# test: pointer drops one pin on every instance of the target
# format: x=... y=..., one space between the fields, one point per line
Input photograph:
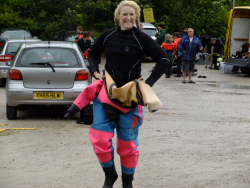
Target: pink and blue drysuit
x=107 y=117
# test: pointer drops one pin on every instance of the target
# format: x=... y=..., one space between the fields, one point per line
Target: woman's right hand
x=98 y=76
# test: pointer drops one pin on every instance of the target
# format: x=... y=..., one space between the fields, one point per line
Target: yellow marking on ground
x=1 y=130
x=2 y=124
x=22 y=128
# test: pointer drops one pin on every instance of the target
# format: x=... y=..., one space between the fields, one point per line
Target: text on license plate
x=48 y=95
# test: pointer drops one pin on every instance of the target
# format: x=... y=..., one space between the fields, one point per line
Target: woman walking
x=124 y=46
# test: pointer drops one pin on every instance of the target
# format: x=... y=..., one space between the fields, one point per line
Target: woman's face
x=127 y=17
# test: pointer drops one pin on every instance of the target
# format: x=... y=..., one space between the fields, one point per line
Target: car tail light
x=82 y=75
x=15 y=74
x=6 y=57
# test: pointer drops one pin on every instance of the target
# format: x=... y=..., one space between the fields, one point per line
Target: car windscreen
x=16 y=34
x=149 y=31
x=57 y=57
x=12 y=48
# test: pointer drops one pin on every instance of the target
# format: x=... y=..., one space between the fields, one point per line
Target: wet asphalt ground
x=200 y=138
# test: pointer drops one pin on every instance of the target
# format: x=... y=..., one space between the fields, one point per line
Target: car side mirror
x=9 y=63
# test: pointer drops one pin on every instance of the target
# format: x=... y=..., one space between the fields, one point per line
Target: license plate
x=48 y=95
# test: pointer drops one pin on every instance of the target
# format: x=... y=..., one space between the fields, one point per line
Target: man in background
x=218 y=49
x=160 y=36
x=79 y=30
x=178 y=54
x=184 y=31
x=84 y=43
x=205 y=39
x=189 y=46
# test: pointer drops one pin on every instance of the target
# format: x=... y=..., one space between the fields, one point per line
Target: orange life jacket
x=168 y=46
x=86 y=53
x=79 y=36
x=177 y=41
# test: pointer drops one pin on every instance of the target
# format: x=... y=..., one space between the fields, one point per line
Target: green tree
x=47 y=18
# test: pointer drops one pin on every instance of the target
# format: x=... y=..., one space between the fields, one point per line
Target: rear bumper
x=17 y=95
x=3 y=71
x=238 y=62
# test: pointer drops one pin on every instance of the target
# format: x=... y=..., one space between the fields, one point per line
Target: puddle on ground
x=232 y=86
x=217 y=82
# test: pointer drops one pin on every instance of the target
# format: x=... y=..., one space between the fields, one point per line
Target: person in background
x=189 y=46
x=84 y=43
x=169 y=47
x=184 y=31
x=79 y=30
x=124 y=47
x=218 y=49
x=205 y=39
x=160 y=36
x=178 y=54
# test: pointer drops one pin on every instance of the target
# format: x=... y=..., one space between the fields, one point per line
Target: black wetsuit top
x=84 y=45
x=124 y=51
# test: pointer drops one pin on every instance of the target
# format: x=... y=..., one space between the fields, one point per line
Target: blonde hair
x=168 y=37
x=130 y=4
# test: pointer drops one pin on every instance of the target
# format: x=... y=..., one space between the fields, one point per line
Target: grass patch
x=8 y=132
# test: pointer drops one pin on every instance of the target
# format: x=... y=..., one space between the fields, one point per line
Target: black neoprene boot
x=127 y=180
x=110 y=176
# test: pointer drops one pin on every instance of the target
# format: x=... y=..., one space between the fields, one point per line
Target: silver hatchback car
x=45 y=73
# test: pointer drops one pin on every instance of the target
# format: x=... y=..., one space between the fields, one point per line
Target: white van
x=237 y=44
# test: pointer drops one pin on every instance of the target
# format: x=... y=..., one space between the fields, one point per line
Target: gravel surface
x=200 y=138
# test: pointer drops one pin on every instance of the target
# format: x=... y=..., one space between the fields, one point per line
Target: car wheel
x=86 y=114
x=246 y=70
x=11 y=112
x=2 y=82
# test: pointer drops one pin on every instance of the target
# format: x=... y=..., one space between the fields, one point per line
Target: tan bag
x=136 y=91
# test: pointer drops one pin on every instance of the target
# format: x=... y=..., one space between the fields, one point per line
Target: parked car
x=45 y=73
x=149 y=29
x=8 y=49
x=16 y=34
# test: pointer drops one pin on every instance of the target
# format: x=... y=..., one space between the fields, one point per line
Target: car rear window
x=12 y=47
x=57 y=57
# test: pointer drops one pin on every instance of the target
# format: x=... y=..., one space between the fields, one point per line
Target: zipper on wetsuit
x=131 y=69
